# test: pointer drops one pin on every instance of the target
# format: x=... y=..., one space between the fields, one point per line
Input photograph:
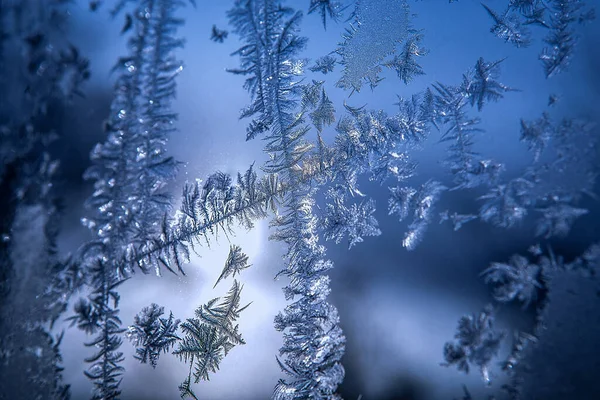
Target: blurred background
x=397 y=308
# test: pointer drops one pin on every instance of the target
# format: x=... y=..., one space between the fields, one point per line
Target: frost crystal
x=326 y=7
x=152 y=334
x=420 y=201
x=508 y=27
x=210 y=336
x=130 y=171
x=516 y=280
x=477 y=343
x=324 y=64
x=356 y=221
x=379 y=26
x=236 y=262
x=405 y=64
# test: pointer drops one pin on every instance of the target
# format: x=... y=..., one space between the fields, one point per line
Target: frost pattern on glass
x=151 y=334
x=558 y=17
x=379 y=26
x=406 y=63
x=354 y=222
x=477 y=343
x=330 y=8
x=130 y=171
x=562 y=172
x=324 y=64
x=236 y=262
x=209 y=337
x=205 y=339
x=420 y=203
x=312 y=347
x=509 y=28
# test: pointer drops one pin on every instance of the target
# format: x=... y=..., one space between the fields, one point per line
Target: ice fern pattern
x=207 y=209
x=418 y=202
x=129 y=171
x=312 y=346
x=205 y=339
x=152 y=334
x=236 y=262
x=326 y=8
x=557 y=17
x=477 y=342
x=210 y=336
x=479 y=86
x=319 y=153
x=562 y=172
x=355 y=222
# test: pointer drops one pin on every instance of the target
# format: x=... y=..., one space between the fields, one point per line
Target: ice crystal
x=324 y=64
x=516 y=280
x=508 y=27
x=152 y=334
x=355 y=222
x=236 y=262
x=405 y=64
x=210 y=336
x=326 y=7
x=477 y=343
x=420 y=203
x=379 y=26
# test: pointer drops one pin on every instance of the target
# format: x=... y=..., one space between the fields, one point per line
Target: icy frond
x=376 y=143
x=324 y=64
x=528 y=283
x=561 y=38
x=276 y=37
x=564 y=169
x=324 y=113
x=105 y=369
x=223 y=315
x=400 y=201
x=517 y=280
x=588 y=263
x=355 y=222
x=523 y=6
x=506 y=205
x=207 y=209
x=405 y=63
x=379 y=26
x=236 y=262
x=312 y=348
x=209 y=337
x=458 y=220
x=202 y=346
x=130 y=171
x=185 y=389
x=87 y=317
x=481 y=83
x=404 y=201
x=218 y=35
x=326 y=7
x=468 y=168
x=557 y=220
x=508 y=27
x=537 y=134
x=151 y=334
x=311 y=94
x=477 y=343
